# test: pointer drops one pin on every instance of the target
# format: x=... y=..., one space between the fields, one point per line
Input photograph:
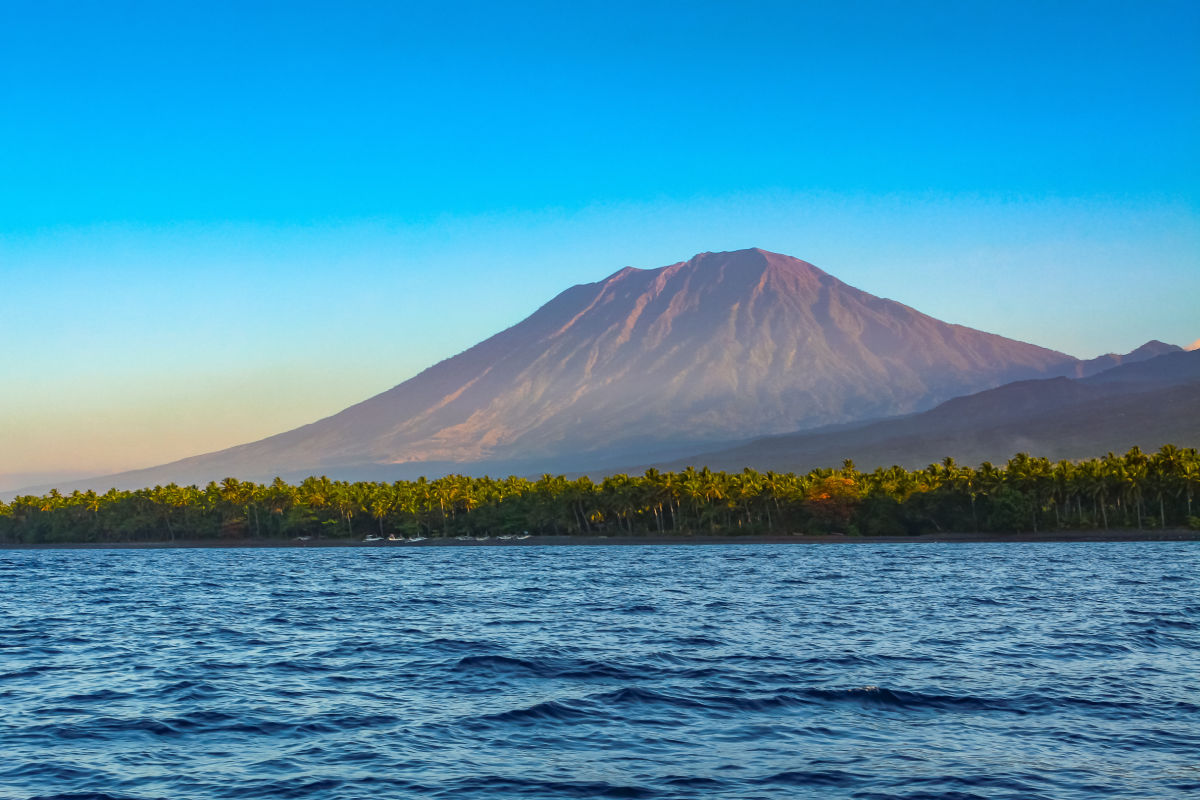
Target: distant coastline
x=1133 y=535
x=1027 y=496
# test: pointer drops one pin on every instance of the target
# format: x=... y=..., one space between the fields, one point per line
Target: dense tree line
x=1135 y=490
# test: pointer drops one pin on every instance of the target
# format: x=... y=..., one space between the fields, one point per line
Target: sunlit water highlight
x=833 y=671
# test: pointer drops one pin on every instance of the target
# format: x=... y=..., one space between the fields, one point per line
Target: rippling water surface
x=759 y=671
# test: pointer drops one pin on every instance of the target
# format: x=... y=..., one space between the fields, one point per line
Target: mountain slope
x=1147 y=403
x=651 y=363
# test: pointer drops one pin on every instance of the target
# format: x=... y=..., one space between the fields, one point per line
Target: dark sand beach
x=1132 y=535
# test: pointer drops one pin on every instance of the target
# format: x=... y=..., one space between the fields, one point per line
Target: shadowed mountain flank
x=651 y=363
x=1147 y=403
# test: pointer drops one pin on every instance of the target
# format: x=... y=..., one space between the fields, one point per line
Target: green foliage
x=1009 y=509
x=1027 y=493
x=882 y=515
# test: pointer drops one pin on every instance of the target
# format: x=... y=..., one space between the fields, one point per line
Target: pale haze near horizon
x=177 y=282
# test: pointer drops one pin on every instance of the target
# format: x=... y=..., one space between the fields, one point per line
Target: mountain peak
x=754 y=258
x=1149 y=350
x=729 y=277
x=1152 y=348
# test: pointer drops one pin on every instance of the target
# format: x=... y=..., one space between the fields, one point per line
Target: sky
x=219 y=221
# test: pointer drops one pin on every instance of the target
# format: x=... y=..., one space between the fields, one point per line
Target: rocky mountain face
x=649 y=363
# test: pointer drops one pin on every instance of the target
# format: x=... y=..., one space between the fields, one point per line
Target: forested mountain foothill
x=1134 y=490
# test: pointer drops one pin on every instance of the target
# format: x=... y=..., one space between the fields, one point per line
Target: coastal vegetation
x=1134 y=490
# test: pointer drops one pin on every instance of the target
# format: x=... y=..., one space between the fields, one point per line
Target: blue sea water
x=761 y=671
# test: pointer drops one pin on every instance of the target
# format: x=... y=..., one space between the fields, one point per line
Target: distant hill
x=647 y=364
x=1151 y=349
x=1146 y=403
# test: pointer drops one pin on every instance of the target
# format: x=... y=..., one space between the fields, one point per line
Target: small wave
x=1167 y=622
x=25 y=672
x=546 y=711
x=495 y=786
x=878 y=697
x=695 y=783
x=496 y=663
x=541 y=668
x=638 y=608
x=101 y=695
x=189 y=690
x=829 y=778
x=1029 y=703
x=105 y=728
x=294 y=787
x=705 y=702
x=697 y=641
x=469 y=645
x=1088 y=647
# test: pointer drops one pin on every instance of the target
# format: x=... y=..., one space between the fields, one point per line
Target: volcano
x=643 y=365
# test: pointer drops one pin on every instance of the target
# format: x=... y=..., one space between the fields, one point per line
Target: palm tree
x=1137 y=470
x=1094 y=478
x=1166 y=476
x=1190 y=475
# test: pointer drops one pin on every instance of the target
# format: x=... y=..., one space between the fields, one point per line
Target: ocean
x=947 y=671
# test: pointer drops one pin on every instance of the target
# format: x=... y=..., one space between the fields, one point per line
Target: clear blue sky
x=219 y=221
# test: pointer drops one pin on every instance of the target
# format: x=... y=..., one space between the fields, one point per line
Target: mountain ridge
x=1146 y=403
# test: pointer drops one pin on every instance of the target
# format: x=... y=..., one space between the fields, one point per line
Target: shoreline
x=1170 y=535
